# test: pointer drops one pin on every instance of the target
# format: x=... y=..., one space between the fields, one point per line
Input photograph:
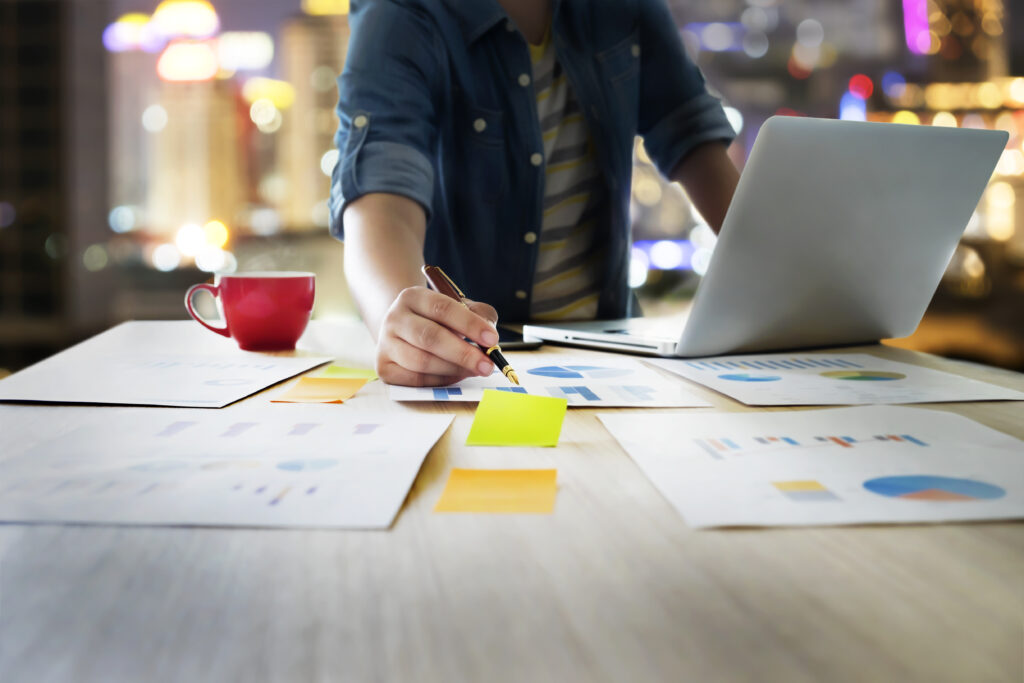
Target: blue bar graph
x=366 y=429
x=583 y=392
x=512 y=390
x=445 y=393
x=913 y=440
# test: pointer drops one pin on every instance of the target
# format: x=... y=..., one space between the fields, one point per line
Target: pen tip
x=512 y=376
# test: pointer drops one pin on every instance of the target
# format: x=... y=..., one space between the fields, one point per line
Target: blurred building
x=197 y=169
x=313 y=51
x=53 y=182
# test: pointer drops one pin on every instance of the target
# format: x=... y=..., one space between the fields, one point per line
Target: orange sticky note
x=499 y=491
x=321 y=390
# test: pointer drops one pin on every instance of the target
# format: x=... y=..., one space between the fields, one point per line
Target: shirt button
x=479 y=125
x=524 y=80
x=635 y=50
x=530 y=237
x=360 y=121
x=520 y=294
x=509 y=26
x=536 y=159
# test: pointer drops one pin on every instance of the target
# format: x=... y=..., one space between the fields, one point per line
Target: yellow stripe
x=564 y=123
x=568 y=308
x=573 y=234
x=546 y=92
x=573 y=199
x=561 y=277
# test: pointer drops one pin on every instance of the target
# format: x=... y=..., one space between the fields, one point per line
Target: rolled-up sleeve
x=387 y=123
x=676 y=111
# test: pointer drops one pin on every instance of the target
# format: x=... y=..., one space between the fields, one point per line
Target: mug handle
x=215 y=291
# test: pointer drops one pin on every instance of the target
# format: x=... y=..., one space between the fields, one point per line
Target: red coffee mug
x=262 y=311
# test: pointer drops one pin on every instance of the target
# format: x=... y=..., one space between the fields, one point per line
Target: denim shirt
x=436 y=104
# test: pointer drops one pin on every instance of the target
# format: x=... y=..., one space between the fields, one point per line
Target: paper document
x=587 y=380
x=268 y=466
x=877 y=464
x=156 y=364
x=831 y=379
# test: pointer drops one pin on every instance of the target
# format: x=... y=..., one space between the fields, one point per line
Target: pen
x=443 y=284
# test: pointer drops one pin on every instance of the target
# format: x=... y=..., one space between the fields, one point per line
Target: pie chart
x=578 y=372
x=933 y=488
x=747 y=377
x=863 y=375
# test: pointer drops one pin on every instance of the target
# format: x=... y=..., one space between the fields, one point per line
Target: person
x=494 y=138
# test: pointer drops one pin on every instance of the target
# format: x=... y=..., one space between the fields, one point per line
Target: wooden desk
x=612 y=587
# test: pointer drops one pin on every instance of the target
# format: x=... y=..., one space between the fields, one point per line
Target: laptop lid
x=838 y=233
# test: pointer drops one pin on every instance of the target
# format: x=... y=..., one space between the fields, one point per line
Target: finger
x=419 y=360
x=485 y=311
x=450 y=313
x=440 y=341
x=392 y=373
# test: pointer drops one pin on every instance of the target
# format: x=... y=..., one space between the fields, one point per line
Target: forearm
x=710 y=179
x=384 y=236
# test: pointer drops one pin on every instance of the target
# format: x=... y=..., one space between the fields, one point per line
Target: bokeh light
x=187 y=60
x=95 y=258
x=810 y=32
x=121 y=219
x=735 y=118
x=638 y=266
x=325 y=7
x=280 y=93
x=132 y=31
x=216 y=234
x=189 y=239
x=852 y=108
x=165 y=257
x=944 y=119
x=245 y=50
x=154 y=118
x=667 y=255
x=906 y=117
x=861 y=86
x=328 y=161
x=186 y=18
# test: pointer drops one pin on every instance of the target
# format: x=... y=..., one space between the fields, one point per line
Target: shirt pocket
x=481 y=158
x=619 y=68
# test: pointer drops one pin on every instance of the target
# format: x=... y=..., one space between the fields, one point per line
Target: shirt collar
x=476 y=17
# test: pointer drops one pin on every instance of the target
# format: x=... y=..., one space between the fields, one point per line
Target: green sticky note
x=506 y=418
x=342 y=372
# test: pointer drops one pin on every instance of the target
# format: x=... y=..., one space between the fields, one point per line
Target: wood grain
x=612 y=587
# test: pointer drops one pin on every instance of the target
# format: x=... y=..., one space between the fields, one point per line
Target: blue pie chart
x=747 y=377
x=933 y=488
x=578 y=372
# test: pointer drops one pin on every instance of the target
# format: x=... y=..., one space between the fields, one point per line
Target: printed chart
x=875 y=464
x=583 y=380
x=838 y=379
x=153 y=363
x=243 y=467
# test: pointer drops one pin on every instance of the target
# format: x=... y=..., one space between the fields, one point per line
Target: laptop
x=838 y=234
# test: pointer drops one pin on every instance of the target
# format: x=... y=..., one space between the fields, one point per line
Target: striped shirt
x=567 y=279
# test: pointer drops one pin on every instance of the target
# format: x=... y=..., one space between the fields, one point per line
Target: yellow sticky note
x=343 y=372
x=321 y=390
x=499 y=491
x=505 y=418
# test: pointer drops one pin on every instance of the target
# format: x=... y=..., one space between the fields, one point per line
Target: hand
x=422 y=339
